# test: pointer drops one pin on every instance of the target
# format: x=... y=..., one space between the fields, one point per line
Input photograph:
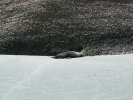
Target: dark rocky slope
x=47 y=27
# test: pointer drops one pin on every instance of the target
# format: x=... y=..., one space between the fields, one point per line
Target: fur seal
x=69 y=54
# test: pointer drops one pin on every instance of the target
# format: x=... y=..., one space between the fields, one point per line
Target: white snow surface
x=86 y=78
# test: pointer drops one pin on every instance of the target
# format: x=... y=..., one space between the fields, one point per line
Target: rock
x=40 y=27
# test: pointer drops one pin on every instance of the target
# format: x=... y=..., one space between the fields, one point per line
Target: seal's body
x=69 y=54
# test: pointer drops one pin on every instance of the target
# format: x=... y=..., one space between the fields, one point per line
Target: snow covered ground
x=87 y=78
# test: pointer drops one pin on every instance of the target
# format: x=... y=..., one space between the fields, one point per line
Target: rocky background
x=47 y=27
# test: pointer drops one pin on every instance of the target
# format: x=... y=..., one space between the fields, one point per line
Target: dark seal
x=69 y=54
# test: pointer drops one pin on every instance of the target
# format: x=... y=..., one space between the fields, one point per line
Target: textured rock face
x=47 y=27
